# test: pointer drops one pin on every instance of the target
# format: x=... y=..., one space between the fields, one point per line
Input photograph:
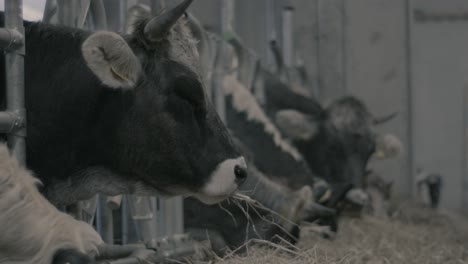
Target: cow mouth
x=223 y=182
x=148 y=188
x=212 y=199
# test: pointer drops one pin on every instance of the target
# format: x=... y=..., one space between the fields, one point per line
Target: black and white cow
x=337 y=141
x=274 y=214
x=113 y=114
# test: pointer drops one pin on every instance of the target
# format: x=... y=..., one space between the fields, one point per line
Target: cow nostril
x=241 y=174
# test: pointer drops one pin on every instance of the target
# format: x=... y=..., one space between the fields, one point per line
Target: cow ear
x=296 y=125
x=111 y=60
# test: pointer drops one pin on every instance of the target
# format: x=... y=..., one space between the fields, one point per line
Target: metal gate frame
x=12 y=41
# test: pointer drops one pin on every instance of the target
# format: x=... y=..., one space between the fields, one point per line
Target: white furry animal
x=31 y=228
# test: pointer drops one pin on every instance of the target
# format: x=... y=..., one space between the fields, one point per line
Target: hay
x=411 y=235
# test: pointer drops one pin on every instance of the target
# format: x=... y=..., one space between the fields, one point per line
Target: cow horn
x=158 y=27
x=384 y=119
x=195 y=26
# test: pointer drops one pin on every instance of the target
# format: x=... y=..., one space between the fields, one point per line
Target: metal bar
x=99 y=14
x=50 y=10
x=214 y=43
x=464 y=150
x=410 y=97
x=8 y=121
x=123 y=6
x=125 y=216
x=143 y=215
x=288 y=36
x=344 y=46
x=270 y=31
x=10 y=39
x=104 y=221
x=226 y=19
x=279 y=60
x=319 y=86
x=85 y=5
x=170 y=216
x=67 y=12
x=14 y=62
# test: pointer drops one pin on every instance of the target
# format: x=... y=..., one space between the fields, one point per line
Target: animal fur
x=32 y=229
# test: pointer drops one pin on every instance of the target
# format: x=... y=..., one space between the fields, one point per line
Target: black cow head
x=169 y=136
x=337 y=141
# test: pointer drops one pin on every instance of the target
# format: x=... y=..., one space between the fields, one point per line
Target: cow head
x=169 y=136
x=337 y=142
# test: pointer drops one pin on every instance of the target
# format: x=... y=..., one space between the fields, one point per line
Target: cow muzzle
x=358 y=197
x=224 y=181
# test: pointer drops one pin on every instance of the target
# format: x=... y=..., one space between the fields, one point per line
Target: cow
x=337 y=140
x=114 y=114
x=33 y=230
x=273 y=214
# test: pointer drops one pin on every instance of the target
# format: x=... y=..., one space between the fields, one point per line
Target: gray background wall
x=376 y=70
x=439 y=55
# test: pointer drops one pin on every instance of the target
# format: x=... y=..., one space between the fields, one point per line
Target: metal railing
x=12 y=41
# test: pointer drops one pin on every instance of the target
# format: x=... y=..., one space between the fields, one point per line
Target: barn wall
x=376 y=71
x=319 y=40
x=439 y=55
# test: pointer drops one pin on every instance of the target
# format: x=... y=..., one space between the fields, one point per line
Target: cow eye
x=191 y=91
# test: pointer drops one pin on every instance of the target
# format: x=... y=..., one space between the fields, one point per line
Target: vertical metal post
x=226 y=19
x=104 y=223
x=142 y=210
x=67 y=12
x=50 y=10
x=99 y=14
x=123 y=5
x=465 y=151
x=410 y=110
x=271 y=34
x=170 y=216
x=125 y=223
x=14 y=62
x=288 y=36
x=124 y=210
x=116 y=14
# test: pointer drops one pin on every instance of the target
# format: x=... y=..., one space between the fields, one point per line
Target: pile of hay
x=411 y=235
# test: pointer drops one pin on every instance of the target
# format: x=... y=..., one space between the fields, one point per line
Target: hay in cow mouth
x=411 y=235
